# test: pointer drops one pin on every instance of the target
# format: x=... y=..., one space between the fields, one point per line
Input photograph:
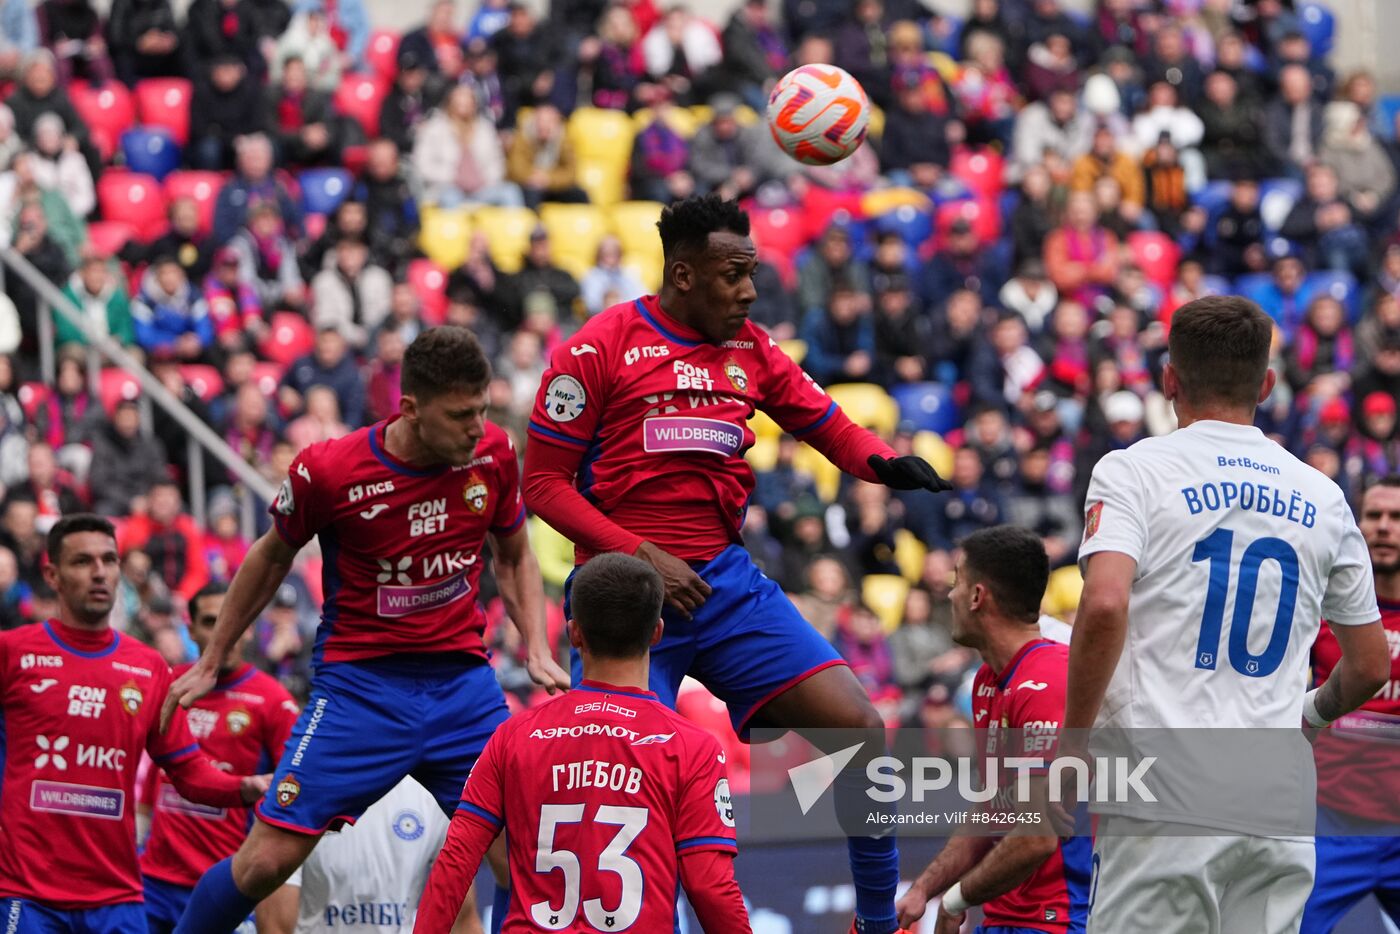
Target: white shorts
x=1145 y=879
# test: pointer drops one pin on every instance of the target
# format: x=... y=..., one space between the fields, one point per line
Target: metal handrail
x=52 y=300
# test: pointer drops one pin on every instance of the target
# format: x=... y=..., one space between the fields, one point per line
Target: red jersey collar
x=602 y=687
x=235 y=677
x=88 y=643
x=649 y=307
x=378 y=444
x=1005 y=676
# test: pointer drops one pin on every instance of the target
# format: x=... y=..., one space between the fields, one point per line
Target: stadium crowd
x=988 y=280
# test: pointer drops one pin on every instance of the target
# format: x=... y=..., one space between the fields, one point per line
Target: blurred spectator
x=986 y=17
x=350 y=294
x=754 y=52
x=1123 y=343
x=20 y=187
x=861 y=641
x=218 y=28
x=1365 y=173
x=1081 y=257
x=775 y=309
x=1119 y=425
x=659 y=157
x=732 y=159
x=610 y=66
x=957 y=329
x=299 y=119
x=408 y=102
x=19 y=533
x=987 y=96
x=72 y=30
x=1065 y=349
x=144 y=40
x=1324 y=224
x=988 y=433
x=267 y=258
x=233 y=304
x=39 y=93
x=862 y=48
x=831 y=260
x=382 y=391
x=1054 y=516
x=321 y=421
x=168 y=534
x=279 y=640
x=184 y=240
x=972 y=505
x=1034 y=216
x=252 y=182
x=678 y=52
x=782 y=487
x=963 y=263
x=1053 y=127
x=308 y=39
x=170 y=316
x=1003 y=366
x=484 y=79
x=436 y=40
x=872 y=518
x=1382 y=322
x=226 y=105
x=225 y=548
x=522 y=366
x=527 y=53
x=840 y=337
x=329 y=364
x=10 y=143
x=915 y=144
x=478 y=281
x=1321 y=355
x=1280 y=298
x=1168 y=195
x=901 y=335
x=608 y=283
x=405 y=313
x=19 y=35
x=825 y=584
x=1171 y=62
x=1239 y=233
x=1051 y=66
x=539 y=275
x=1294 y=48
x=32 y=241
x=249 y=429
x=101 y=295
x=1293 y=121
x=1105 y=159
x=348 y=220
x=59 y=167
x=69 y=419
x=458 y=155
x=14 y=592
x=125 y=465
x=1029 y=293
x=53 y=489
x=541 y=159
x=1165 y=117
x=918 y=646
x=1232 y=139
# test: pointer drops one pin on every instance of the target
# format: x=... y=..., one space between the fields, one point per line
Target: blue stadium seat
x=1389 y=106
x=150 y=151
x=929 y=406
x=322 y=190
x=1276 y=198
x=1213 y=198
x=1340 y=285
x=1251 y=285
x=1319 y=25
x=909 y=222
x=1216 y=285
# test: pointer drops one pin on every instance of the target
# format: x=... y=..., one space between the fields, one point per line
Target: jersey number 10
x=1217 y=549
x=630 y=822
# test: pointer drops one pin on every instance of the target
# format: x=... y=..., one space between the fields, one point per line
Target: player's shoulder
x=336 y=454
x=669 y=725
x=1049 y=657
x=600 y=333
x=495 y=444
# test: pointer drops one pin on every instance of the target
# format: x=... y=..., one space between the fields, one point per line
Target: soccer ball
x=818 y=114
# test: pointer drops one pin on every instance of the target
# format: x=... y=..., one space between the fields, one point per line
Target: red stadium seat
x=985 y=217
x=359 y=97
x=108 y=111
x=430 y=284
x=203 y=187
x=290 y=337
x=267 y=376
x=1156 y=254
x=779 y=233
x=166 y=102
x=117 y=384
x=980 y=170
x=31 y=397
x=203 y=379
x=383 y=54
x=820 y=205
x=134 y=199
x=108 y=237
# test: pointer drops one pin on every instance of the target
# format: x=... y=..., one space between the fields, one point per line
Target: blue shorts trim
x=1349 y=868
x=22 y=916
x=747 y=643
x=165 y=903
x=369 y=723
x=1003 y=929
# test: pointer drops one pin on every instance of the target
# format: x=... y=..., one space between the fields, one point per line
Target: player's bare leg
x=833 y=712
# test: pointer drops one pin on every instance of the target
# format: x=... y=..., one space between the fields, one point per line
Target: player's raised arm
x=522 y=591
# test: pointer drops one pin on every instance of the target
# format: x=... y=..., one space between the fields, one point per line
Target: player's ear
x=682 y=275
x=408 y=407
x=50 y=571
x=575 y=637
x=656 y=633
x=1171 y=385
x=1270 y=379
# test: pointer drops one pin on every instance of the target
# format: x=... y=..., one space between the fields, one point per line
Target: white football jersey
x=369 y=877
x=1241 y=550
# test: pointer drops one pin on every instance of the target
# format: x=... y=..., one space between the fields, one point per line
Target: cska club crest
x=131 y=698
x=475 y=494
x=287 y=790
x=238 y=720
x=737 y=377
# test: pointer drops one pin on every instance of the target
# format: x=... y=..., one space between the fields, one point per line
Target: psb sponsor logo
x=634 y=354
x=686 y=433
x=736 y=375
x=77 y=800
x=132 y=698
x=52 y=751
x=238 y=720
x=30 y=660
x=564 y=398
x=408 y=825
x=366 y=490
x=724 y=804
x=287 y=790
x=84 y=701
x=656 y=739
x=605 y=706
x=172 y=800
x=475 y=494
x=584 y=729
x=42 y=685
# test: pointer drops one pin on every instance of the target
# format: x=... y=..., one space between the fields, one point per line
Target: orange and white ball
x=818 y=114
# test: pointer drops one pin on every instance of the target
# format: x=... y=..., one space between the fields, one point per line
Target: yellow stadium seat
x=445 y=235
x=634 y=222
x=885 y=594
x=601 y=135
x=554 y=551
x=823 y=472
x=647 y=269
x=867 y=405
x=763 y=426
x=932 y=448
x=764 y=453
x=884 y=200
x=680 y=119
x=1063 y=592
x=909 y=554
x=876 y=128
x=575 y=230
x=947 y=66
x=704 y=113
x=604 y=181
x=795 y=349
x=507 y=234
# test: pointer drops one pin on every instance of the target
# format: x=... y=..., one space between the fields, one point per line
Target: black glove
x=907 y=473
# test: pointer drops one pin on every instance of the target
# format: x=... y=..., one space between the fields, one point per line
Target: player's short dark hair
x=615 y=600
x=1011 y=562
x=211 y=589
x=72 y=525
x=1219 y=348
x=444 y=359
x=1390 y=481
x=687 y=225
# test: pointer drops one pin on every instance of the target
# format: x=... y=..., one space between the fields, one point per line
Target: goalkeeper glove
x=907 y=473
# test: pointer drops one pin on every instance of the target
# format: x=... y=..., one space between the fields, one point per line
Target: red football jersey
x=1356 y=756
x=662 y=416
x=78 y=709
x=402 y=545
x=242 y=725
x=599 y=790
x=1029 y=697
